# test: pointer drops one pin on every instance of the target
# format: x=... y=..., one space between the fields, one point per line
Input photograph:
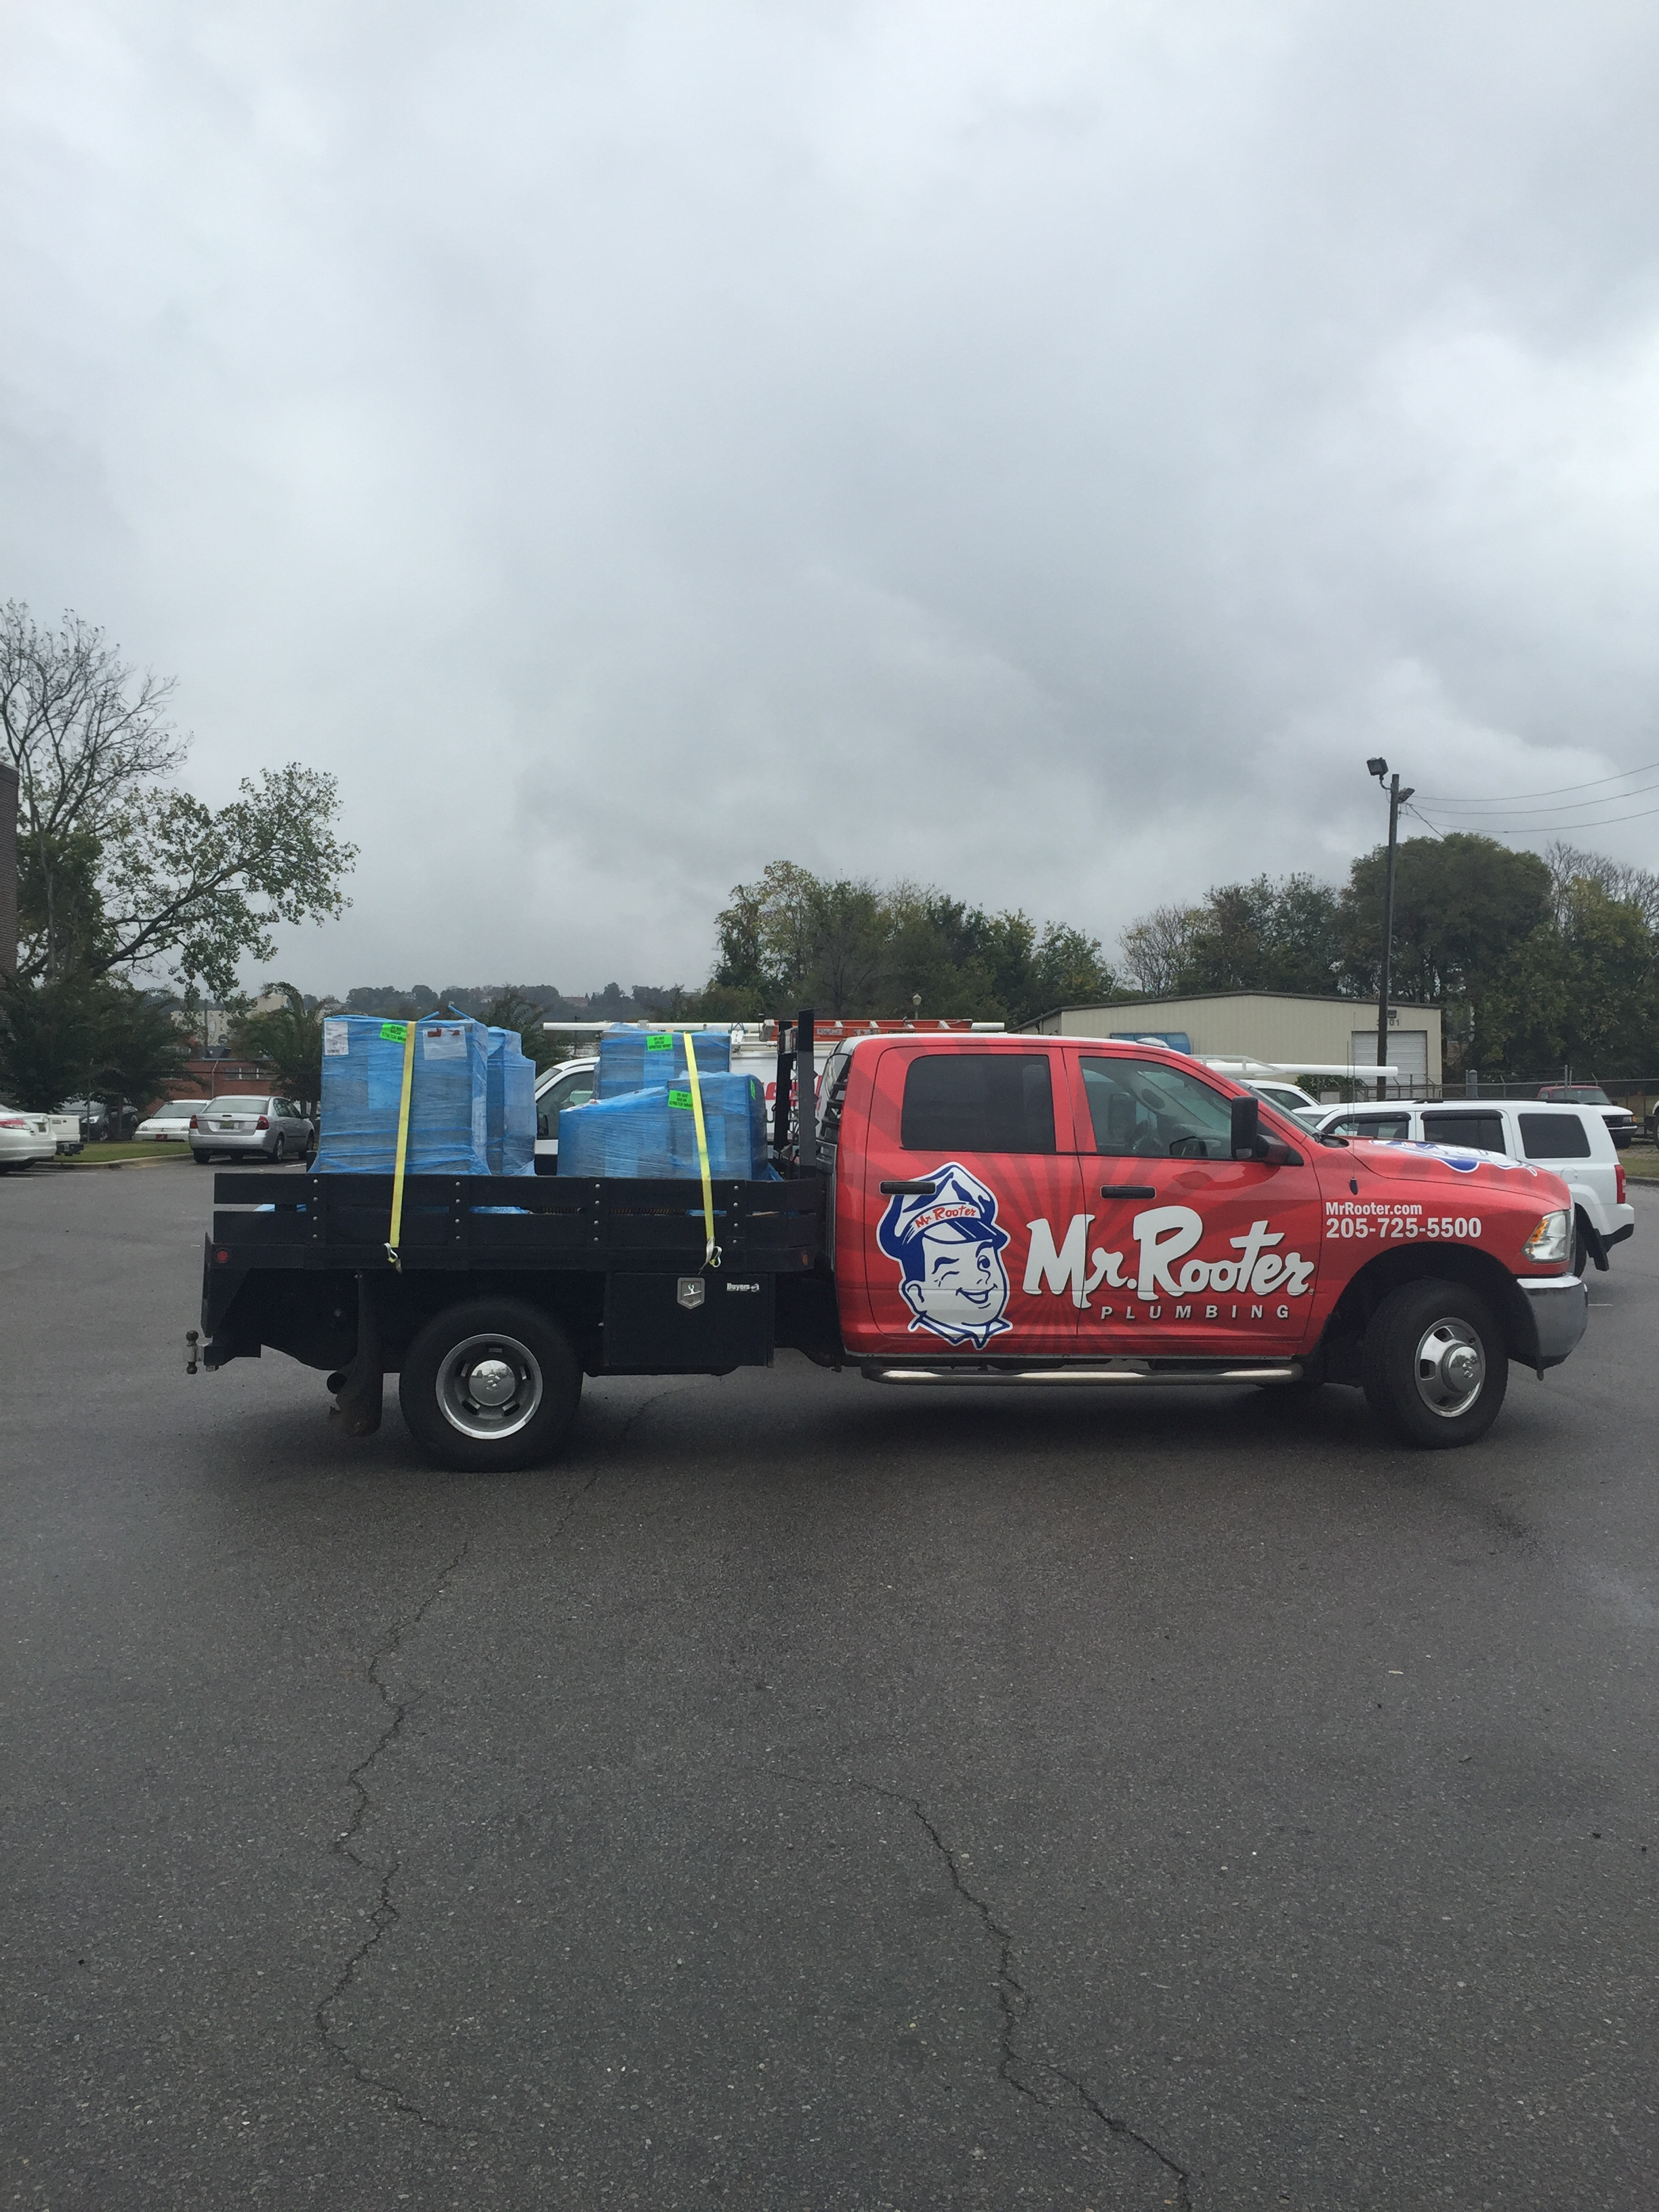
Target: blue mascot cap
x=960 y=1203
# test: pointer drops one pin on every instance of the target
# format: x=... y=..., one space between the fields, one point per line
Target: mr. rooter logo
x=1252 y=1265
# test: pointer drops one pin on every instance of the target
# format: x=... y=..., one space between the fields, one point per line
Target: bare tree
x=119 y=871
x=84 y=730
x=1156 y=948
x=1620 y=880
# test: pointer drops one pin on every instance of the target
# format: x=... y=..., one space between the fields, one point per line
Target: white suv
x=1572 y=1141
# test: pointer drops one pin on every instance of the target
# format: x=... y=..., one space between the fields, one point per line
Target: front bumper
x=1559 y=1306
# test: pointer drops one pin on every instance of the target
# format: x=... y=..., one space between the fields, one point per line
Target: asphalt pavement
x=805 y=1796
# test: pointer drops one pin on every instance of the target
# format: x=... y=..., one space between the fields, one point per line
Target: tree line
x=125 y=875
x=791 y=939
x=1536 y=961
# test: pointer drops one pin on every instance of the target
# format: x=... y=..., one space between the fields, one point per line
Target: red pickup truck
x=1008 y=1211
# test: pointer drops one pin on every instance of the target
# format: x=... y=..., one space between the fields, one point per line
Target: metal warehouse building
x=1280 y=1026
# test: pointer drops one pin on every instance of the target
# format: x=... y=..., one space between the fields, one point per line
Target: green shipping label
x=394 y=1032
x=681 y=1099
x=664 y=1042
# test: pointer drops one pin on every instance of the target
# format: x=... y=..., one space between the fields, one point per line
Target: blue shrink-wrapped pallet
x=734 y=1123
x=362 y=1089
x=633 y=1059
x=653 y=1133
x=510 y=1141
x=626 y=1136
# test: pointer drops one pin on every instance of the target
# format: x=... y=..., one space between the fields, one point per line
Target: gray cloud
x=1042 y=451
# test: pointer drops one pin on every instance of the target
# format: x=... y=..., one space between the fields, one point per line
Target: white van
x=1572 y=1141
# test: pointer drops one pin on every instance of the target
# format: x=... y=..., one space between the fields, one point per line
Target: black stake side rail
x=589 y=1223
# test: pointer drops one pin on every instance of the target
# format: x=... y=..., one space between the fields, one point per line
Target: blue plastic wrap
x=363 y=1090
x=626 y=1136
x=510 y=1141
x=632 y=1058
x=654 y=1132
x=734 y=1123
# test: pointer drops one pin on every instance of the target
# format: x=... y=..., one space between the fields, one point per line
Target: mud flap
x=359 y=1400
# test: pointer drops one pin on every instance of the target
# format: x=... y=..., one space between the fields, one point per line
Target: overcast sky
x=1039 y=450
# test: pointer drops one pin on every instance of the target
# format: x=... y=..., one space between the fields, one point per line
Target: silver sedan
x=249 y=1128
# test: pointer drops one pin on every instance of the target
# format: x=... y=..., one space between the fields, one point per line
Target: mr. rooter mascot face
x=949 y=1251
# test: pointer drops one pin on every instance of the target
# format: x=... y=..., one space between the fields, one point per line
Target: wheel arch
x=1448 y=1263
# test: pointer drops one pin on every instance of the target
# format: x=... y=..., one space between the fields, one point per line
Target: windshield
x=177 y=1110
x=1285 y=1096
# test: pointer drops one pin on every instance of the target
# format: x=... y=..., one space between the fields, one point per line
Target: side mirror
x=1247 y=1127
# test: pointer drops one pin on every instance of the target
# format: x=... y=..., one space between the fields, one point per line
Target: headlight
x=1551 y=1239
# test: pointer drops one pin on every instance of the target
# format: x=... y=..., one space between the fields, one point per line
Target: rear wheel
x=202 y=1159
x=279 y=1152
x=1434 y=1364
x=491 y=1383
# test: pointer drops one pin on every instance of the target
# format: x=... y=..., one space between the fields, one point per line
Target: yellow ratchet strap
x=711 y=1257
x=409 y=1029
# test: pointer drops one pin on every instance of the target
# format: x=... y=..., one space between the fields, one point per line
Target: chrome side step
x=1177 y=1377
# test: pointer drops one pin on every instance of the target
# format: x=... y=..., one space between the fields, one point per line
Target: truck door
x=1190 y=1251
x=969 y=1183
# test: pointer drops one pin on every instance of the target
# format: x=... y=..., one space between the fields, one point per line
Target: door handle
x=909 y=1189
x=1127 y=1190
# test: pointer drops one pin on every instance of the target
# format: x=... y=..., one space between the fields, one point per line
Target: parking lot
x=807 y=1797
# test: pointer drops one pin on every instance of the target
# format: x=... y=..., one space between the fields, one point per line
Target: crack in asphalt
x=1013 y=1999
x=385 y=1915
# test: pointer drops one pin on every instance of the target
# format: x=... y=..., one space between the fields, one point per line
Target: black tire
x=1583 y=1252
x=202 y=1159
x=1411 y=1389
x=530 y=1360
x=279 y=1152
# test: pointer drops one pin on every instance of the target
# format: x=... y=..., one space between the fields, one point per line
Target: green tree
x=48 y=1040
x=1462 y=906
x=119 y=870
x=288 y=1040
x=80 y=1036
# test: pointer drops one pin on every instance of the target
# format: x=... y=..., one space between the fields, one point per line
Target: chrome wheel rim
x=490 y=1387
x=1450 y=1368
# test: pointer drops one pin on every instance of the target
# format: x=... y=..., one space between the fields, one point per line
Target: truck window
x=978 y=1102
x=1378 y=1129
x=1554 y=1137
x=1482 y=1133
x=569 y=1090
x=1143 y=1108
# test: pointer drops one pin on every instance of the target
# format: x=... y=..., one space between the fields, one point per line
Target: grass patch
x=103 y=1156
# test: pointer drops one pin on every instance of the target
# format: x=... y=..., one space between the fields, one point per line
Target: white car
x=1572 y=1141
x=24 y=1139
x=570 y=1084
x=170 y=1121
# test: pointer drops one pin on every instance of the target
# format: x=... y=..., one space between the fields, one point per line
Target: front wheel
x=490 y=1384
x=1434 y=1364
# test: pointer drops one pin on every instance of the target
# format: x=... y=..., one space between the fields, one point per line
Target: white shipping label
x=335 y=1040
x=443 y=1041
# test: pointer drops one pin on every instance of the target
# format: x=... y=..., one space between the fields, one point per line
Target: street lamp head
x=1378 y=768
x=1406 y=793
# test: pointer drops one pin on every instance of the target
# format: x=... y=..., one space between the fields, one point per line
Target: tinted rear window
x=978 y=1102
x=1379 y=1128
x=1554 y=1137
x=1482 y=1133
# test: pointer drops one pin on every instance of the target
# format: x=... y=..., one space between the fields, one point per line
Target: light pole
x=1379 y=769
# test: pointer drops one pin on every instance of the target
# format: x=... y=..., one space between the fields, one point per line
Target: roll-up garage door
x=1408 y=1051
